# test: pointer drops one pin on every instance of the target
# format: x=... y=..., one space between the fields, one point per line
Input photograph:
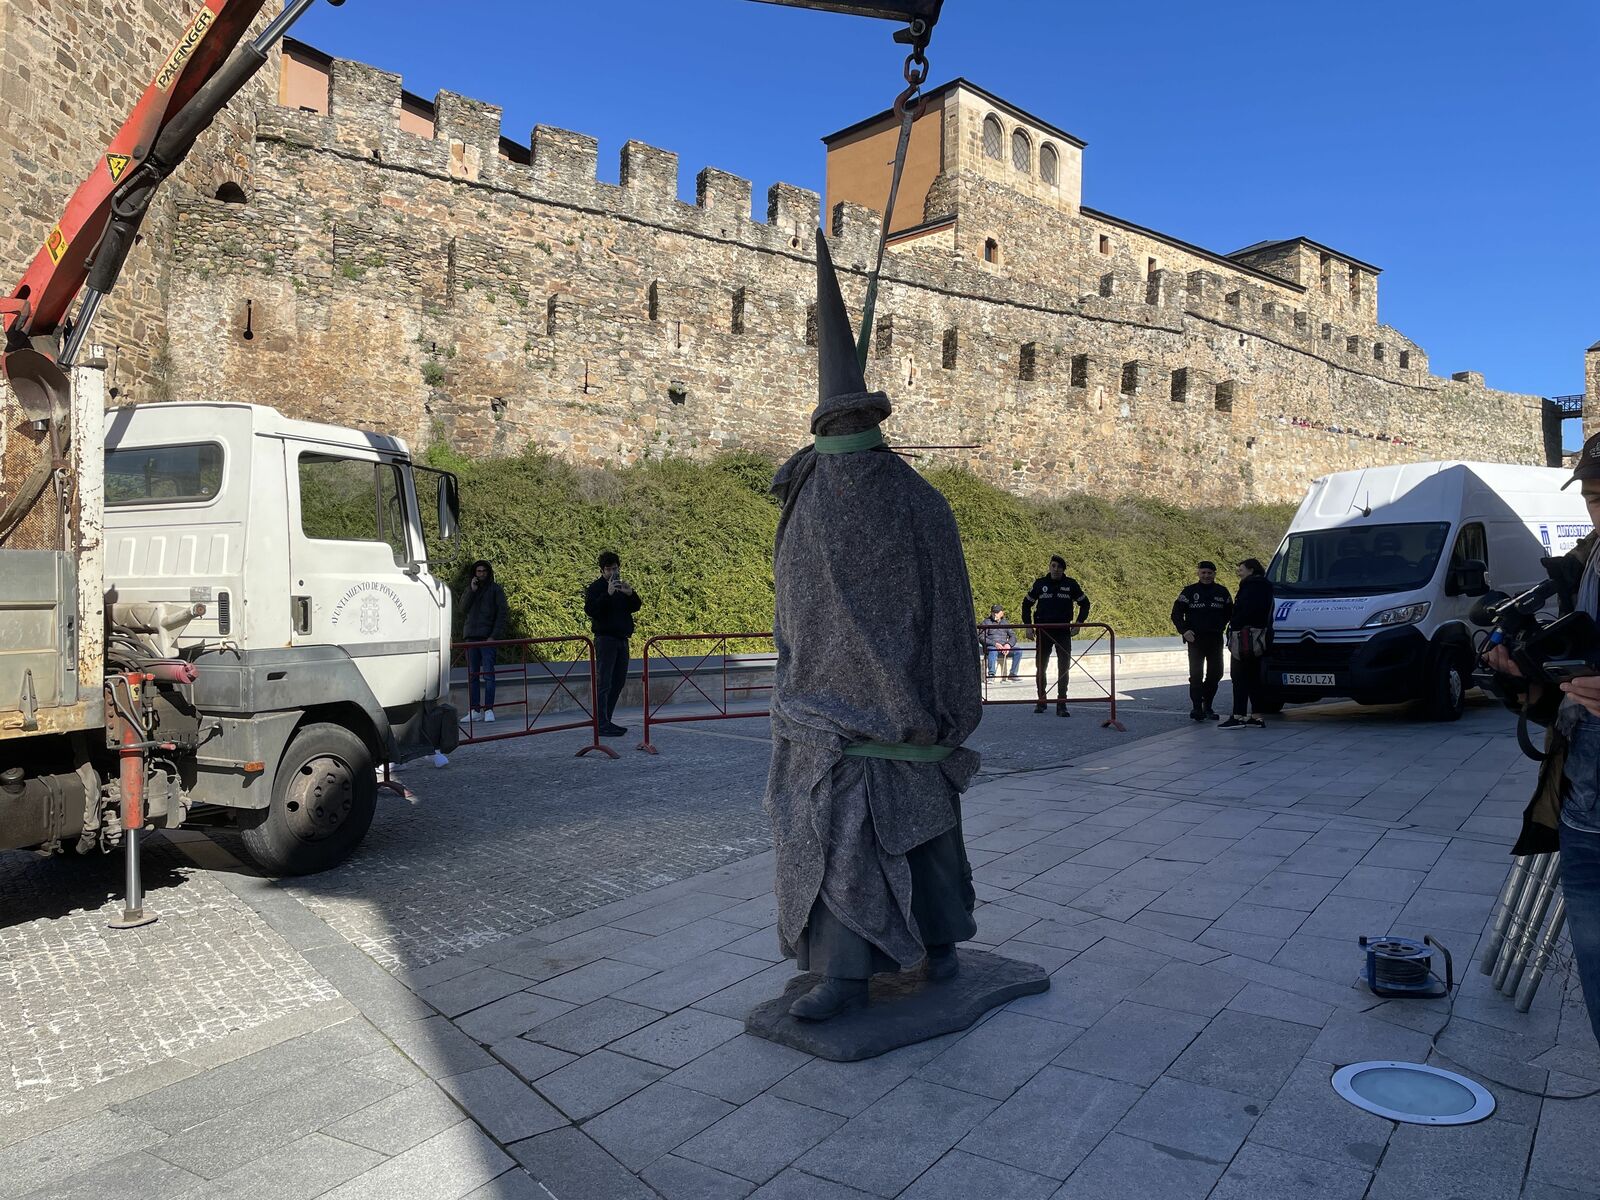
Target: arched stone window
x=1049 y=165
x=991 y=251
x=1021 y=152
x=232 y=193
x=993 y=137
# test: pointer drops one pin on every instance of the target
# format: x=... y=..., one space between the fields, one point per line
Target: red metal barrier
x=1107 y=693
x=562 y=675
x=657 y=697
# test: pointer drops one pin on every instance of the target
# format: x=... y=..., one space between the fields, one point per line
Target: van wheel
x=323 y=799
x=1446 y=697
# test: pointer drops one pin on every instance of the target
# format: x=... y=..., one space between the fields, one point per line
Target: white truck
x=264 y=583
x=1380 y=568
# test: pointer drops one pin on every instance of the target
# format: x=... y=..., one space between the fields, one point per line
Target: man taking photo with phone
x=610 y=602
x=1564 y=813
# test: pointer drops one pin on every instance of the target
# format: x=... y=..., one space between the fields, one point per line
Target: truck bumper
x=1387 y=668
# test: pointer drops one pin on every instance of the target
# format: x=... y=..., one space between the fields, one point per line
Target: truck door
x=354 y=576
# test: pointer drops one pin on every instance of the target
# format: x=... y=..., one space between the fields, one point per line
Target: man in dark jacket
x=1200 y=615
x=1050 y=601
x=1564 y=813
x=483 y=619
x=610 y=602
x=1249 y=631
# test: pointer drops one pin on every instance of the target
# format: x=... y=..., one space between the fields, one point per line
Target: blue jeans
x=480 y=675
x=1016 y=660
x=1580 y=858
x=1580 y=884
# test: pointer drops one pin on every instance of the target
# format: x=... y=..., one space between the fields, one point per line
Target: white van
x=1378 y=572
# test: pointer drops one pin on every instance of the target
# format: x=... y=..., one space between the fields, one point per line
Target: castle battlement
x=501 y=296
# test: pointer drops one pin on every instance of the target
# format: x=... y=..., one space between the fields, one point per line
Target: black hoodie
x=483 y=609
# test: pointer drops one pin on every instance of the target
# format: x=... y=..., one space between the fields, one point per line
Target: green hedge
x=696 y=540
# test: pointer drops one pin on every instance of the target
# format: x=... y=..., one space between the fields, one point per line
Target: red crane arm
x=40 y=301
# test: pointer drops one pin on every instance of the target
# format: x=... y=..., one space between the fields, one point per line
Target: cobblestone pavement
x=83 y=1003
x=1195 y=895
x=512 y=835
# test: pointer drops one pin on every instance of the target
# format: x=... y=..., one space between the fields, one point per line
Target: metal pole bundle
x=1515 y=940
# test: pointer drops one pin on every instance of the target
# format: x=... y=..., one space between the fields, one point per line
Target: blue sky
x=1447 y=143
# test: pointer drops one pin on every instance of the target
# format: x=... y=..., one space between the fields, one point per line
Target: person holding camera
x=1564 y=812
x=610 y=602
x=483 y=619
x=1200 y=615
x=1249 y=631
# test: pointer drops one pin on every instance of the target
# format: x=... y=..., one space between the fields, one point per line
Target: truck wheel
x=323 y=799
x=1446 y=697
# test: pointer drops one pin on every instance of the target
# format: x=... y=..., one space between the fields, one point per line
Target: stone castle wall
x=70 y=74
x=429 y=287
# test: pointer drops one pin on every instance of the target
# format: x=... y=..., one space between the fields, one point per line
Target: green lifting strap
x=849 y=443
x=901 y=751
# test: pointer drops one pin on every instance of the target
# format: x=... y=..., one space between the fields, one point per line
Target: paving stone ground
x=1195 y=894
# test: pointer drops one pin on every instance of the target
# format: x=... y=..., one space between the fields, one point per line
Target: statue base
x=903 y=1007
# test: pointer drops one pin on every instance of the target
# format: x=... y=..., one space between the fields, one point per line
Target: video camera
x=1545 y=651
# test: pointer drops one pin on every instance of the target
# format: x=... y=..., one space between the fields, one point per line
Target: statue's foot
x=942 y=962
x=830 y=998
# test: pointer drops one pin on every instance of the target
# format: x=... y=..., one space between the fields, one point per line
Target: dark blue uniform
x=1052 y=602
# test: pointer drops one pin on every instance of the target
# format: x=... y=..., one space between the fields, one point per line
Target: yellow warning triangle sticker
x=116 y=164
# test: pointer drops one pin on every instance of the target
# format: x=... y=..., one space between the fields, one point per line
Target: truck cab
x=1378 y=572
x=288 y=561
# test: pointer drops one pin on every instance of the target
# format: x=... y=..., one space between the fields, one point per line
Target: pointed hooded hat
x=876 y=640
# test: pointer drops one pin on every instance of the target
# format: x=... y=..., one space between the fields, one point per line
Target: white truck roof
x=265 y=421
x=1425 y=491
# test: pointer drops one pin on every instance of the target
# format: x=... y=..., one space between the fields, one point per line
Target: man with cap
x=1200 y=615
x=1050 y=602
x=999 y=641
x=1564 y=813
x=867 y=765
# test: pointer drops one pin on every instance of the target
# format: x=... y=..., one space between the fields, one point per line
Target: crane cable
x=909 y=105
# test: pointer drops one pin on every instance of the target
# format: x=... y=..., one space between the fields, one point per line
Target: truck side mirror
x=449 y=500
x=1471 y=578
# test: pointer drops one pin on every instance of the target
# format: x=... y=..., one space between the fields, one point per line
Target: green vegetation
x=433 y=372
x=696 y=539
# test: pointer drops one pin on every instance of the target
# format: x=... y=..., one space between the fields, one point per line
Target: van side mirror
x=449 y=500
x=1471 y=578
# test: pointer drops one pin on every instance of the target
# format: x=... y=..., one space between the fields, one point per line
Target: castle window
x=232 y=193
x=1049 y=165
x=653 y=301
x=991 y=251
x=952 y=341
x=1355 y=286
x=1080 y=370
x=736 y=324
x=1021 y=152
x=1105 y=244
x=1028 y=362
x=1327 y=273
x=1379 y=351
x=1180 y=385
x=1150 y=267
x=1405 y=360
x=1224 y=401
x=811 y=324
x=993 y=137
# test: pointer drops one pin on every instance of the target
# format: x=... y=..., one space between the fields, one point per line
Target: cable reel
x=1402 y=968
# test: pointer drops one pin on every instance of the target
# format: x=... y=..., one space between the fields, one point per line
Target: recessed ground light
x=1413 y=1093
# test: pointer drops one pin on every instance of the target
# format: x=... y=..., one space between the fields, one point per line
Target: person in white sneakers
x=483 y=619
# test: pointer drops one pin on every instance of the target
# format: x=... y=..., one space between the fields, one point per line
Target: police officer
x=1200 y=615
x=1050 y=601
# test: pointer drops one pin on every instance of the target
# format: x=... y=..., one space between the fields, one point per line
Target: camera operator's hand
x=1586 y=691
x=1499 y=660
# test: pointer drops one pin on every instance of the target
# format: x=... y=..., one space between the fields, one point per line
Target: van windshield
x=1358 y=561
